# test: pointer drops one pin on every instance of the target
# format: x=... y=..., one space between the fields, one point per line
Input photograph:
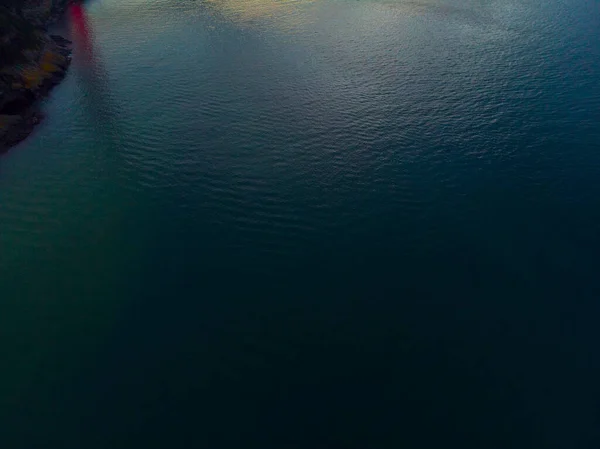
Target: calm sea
x=296 y=224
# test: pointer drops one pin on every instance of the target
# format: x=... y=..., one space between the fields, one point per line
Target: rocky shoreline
x=30 y=77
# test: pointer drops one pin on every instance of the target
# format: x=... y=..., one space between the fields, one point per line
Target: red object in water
x=80 y=30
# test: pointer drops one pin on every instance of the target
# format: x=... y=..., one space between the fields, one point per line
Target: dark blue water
x=308 y=224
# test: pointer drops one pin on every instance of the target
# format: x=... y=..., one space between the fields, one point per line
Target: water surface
x=308 y=224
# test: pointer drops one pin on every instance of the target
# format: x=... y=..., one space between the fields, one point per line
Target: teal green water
x=308 y=224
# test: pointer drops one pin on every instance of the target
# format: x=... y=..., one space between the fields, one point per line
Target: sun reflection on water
x=247 y=11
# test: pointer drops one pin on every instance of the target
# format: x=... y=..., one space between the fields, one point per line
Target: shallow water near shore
x=308 y=224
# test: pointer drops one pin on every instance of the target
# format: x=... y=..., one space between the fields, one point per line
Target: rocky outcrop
x=32 y=62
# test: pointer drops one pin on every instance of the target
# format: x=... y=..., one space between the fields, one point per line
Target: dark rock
x=23 y=43
x=61 y=40
x=17 y=128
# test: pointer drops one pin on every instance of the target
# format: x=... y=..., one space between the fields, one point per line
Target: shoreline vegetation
x=32 y=62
